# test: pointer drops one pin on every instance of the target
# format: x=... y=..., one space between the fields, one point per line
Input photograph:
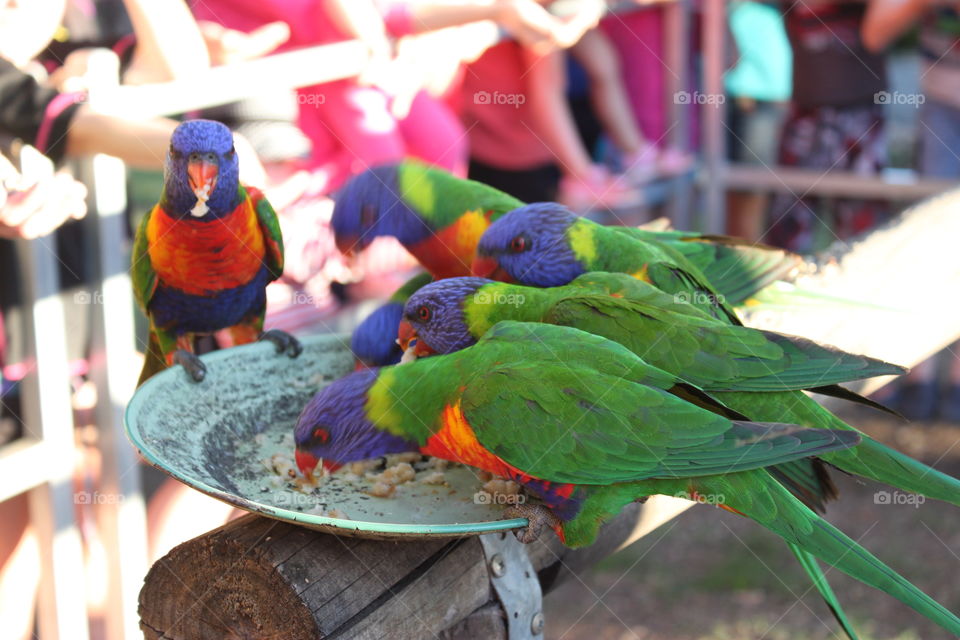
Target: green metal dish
x=215 y=435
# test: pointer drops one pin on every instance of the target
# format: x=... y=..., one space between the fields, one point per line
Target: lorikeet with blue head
x=759 y=374
x=374 y=340
x=203 y=256
x=547 y=245
x=439 y=218
x=586 y=426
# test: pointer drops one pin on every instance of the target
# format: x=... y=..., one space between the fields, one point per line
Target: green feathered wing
x=142 y=274
x=603 y=415
x=270 y=228
x=584 y=410
x=704 y=351
x=144 y=280
x=440 y=198
x=736 y=269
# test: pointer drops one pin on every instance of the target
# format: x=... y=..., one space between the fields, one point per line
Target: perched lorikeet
x=439 y=218
x=374 y=340
x=204 y=254
x=588 y=427
x=547 y=245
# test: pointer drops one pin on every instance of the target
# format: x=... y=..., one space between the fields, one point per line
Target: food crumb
x=407 y=456
x=439 y=463
x=382 y=490
x=436 y=477
x=397 y=474
x=361 y=467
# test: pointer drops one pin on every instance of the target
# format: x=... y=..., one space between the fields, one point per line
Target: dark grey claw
x=191 y=363
x=283 y=341
x=538 y=517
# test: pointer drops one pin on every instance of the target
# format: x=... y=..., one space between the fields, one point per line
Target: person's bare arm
x=169 y=43
x=554 y=122
x=887 y=20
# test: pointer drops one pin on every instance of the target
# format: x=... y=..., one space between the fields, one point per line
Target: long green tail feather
x=758 y=496
x=812 y=568
x=761 y=498
x=869 y=459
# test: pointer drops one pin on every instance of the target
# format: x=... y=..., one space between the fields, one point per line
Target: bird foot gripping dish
x=230 y=437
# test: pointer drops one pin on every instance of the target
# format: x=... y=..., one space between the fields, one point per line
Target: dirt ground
x=710 y=574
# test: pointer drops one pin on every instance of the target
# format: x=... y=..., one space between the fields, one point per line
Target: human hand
x=227 y=46
x=530 y=24
x=586 y=16
x=32 y=211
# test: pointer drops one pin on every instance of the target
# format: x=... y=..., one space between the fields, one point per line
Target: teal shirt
x=764 y=70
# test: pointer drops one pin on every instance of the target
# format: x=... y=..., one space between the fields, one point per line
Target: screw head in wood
x=497 y=566
x=537 y=623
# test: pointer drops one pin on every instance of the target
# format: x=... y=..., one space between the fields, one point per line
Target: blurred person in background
x=919 y=395
x=523 y=137
x=641 y=159
x=637 y=34
x=835 y=124
x=759 y=87
x=349 y=122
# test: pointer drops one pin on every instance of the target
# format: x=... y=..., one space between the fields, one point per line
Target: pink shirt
x=497 y=113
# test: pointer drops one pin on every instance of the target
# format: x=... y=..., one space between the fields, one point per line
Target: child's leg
x=600 y=60
x=435 y=135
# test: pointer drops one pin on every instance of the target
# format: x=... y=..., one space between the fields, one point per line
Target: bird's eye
x=321 y=435
x=423 y=313
x=229 y=154
x=194 y=157
x=518 y=244
x=174 y=153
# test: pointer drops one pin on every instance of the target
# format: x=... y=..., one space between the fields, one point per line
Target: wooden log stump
x=261 y=578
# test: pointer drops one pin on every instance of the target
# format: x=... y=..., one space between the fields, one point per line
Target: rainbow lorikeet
x=756 y=373
x=440 y=218
x=205 y=253
x=588 y=427
x=547 y=245
x=374 y=340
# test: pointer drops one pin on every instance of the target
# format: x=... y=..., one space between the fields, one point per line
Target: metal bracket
x=515 y=582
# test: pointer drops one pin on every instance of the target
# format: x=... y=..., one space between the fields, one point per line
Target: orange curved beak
x=407 y=334
x=484 y=266
x=331 y=466
x=489 y=267
x=202 y=172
